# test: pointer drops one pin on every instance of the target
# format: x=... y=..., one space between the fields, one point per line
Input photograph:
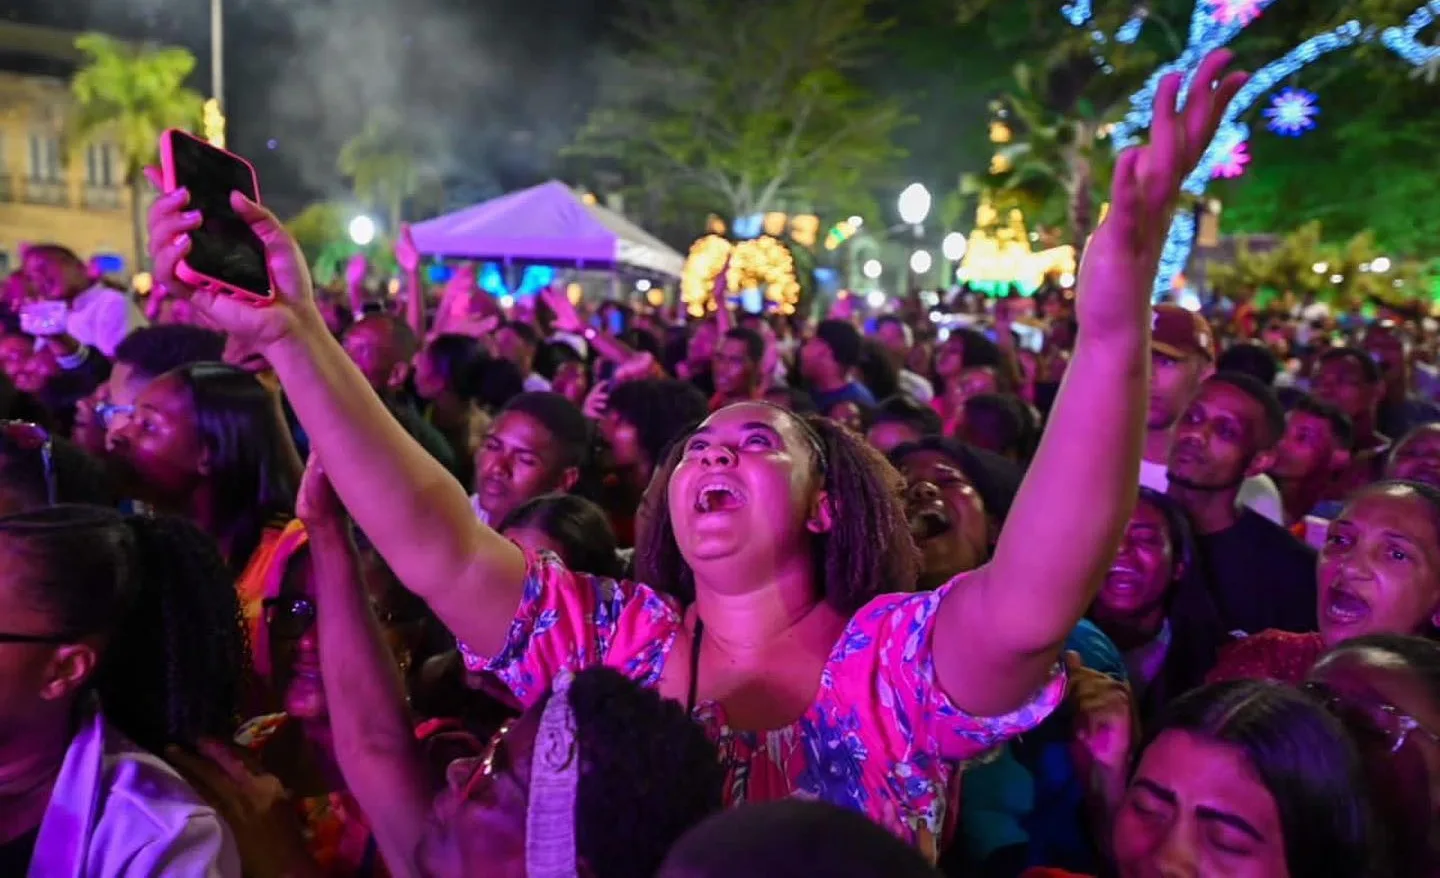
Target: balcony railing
x=52 y=192
x=101 y=197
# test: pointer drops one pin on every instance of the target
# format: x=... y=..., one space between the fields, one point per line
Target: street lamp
x=362 y=230
x=954 y=246
x=914 y=204
x=873 y=269
x=1380 y=265
x=875 y=299
x=921 y=261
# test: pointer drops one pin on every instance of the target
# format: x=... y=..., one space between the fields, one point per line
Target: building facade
x=50 y=193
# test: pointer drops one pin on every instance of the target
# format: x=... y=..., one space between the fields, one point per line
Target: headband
x=554 y=779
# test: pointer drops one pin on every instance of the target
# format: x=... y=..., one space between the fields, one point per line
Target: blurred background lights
x=954 y=246
x=362 y=230
x=872 y=268
x=875 y=299
x=920 y=261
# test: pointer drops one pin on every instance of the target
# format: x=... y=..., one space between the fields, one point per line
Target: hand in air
x=1120 y=261
x=254 y=328
x=356 y=270
x=406 y=254
x=567 y=319
x=316 y=503
x=1104 y=717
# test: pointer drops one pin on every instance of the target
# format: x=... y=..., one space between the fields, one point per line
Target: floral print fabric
x=881 y=736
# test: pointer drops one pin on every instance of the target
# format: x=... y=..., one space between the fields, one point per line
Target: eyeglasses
x=1376 y=719
x=289 y=617
x=30 y=438
x=109 y=411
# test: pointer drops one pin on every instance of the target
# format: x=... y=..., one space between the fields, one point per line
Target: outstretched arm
x=999 y=632
x=410 y=508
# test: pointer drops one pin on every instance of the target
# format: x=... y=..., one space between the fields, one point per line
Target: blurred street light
x=875 y=299
x=954 y=246
x=362 y=230
x=914 y=204
x=873 y=269
x=921 y=261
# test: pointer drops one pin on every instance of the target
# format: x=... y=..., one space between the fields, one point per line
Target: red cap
x=1182 y=334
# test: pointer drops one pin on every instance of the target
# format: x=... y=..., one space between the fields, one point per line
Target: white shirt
x=536 y=383
x=120 y=812
x=101 y=318
x=916 y=387
x=1258 y=492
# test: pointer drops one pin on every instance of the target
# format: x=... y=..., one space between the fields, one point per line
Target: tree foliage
x=128 y=95
x=384 y=164
x=1341 y=274
x=744 y=107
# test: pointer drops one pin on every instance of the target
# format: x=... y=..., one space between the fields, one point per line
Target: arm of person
x=1000 y=631
x=374 y=739
x=413 y=511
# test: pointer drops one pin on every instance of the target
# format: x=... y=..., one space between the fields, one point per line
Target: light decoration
x=716 y=267
x=534 y=279
x=765 y=263
x=1213 y=25
x=1292 y=112
x=1234 y=164
x=1240 y=12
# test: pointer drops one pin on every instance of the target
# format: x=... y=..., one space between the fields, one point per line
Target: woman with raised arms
x=781 y=608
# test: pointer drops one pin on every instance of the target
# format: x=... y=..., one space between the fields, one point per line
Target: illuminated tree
x=1214 y=24
x=749 y=106
x=127 y=95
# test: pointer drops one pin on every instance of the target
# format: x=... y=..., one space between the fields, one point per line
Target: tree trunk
x=396 y=211
x=137 y=224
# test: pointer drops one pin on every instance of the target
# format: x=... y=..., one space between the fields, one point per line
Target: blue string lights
x=1213 y=25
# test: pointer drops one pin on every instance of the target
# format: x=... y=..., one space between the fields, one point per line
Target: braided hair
x=161 y=598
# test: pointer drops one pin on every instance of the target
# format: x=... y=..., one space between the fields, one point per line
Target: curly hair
x=648 y=773
x=661 y=410
x=869 y=550
x=154 y=350
x=175 y=658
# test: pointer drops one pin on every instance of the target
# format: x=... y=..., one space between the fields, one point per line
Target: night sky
x=499 y=85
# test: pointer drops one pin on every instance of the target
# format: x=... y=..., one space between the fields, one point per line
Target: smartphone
x=226 y=256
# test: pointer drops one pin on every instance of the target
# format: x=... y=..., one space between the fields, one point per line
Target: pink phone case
x=183 y=270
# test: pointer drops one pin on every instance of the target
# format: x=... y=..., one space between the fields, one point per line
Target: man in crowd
x=1260 y=575
x=1313 y=451
x=737 y=368
x=382 y=347
x=518 y=342
x=898 y=340
x=97 y=316
x=828 y=362
x=1182 y=355
x=1349 y=379
x=1400 y=410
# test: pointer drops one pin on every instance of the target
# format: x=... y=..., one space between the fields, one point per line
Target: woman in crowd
x=1245 y=779
x=526 y=808
x=571 y=527
x=208 y=442
x=781 y=664
x=1378 y=573
x=122 y=639
x=1386 y=689
x=1155 y=607
x=445 y=375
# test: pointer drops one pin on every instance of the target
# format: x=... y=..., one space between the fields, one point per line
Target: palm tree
x=383 y=164
x=128 y=95
x=1056 y=158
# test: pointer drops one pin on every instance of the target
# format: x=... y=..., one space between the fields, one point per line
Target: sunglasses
x=1377 y=720
x=288 y=617
x=29 y=438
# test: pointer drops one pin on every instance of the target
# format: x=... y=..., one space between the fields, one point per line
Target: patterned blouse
x=881 y=736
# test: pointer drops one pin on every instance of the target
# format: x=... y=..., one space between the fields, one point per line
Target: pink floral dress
x=881 y=737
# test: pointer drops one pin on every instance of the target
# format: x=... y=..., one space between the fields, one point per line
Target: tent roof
x=547 y=223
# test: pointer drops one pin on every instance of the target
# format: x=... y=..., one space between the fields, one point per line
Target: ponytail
x=175 y=668
x=157 y=591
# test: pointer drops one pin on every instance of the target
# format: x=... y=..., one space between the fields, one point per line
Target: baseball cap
x=1179 y=333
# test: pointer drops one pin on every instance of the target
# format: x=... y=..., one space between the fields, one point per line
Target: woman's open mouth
x=928 y=522
x=718 y=496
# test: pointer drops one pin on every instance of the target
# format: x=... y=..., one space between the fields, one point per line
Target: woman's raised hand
x=1122 y=257
x=255 y=327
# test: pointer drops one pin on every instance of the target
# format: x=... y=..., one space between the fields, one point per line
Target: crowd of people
x=354 y=586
